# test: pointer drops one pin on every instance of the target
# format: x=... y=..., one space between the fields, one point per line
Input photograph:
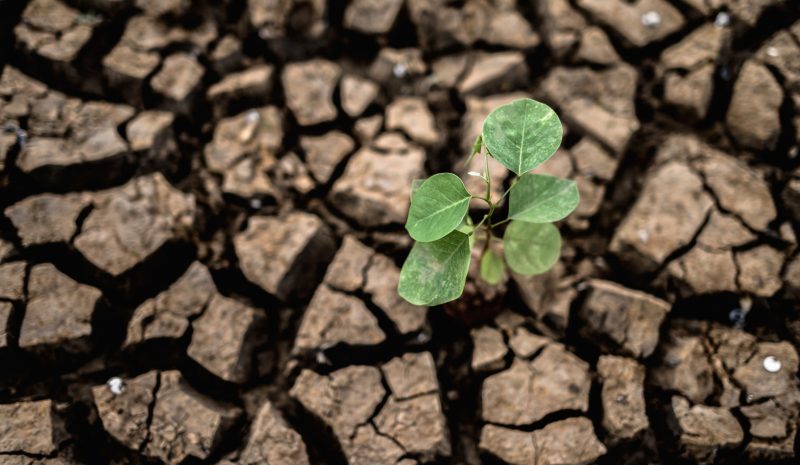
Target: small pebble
x=644 y=236
x=772 y=364
x=723 y=19
x=116 y=385
x=772 y=51
x=255 y=204
x=475 y=173
x=400 y=70
x=651 y=19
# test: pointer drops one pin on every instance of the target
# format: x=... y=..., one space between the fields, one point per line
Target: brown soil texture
x=201 y=232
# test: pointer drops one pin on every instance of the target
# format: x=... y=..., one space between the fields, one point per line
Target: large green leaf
x=522 y=134
x=539 y=198
x=435 y=272
x=531 y=248
x=492 y=267
x=437 y=208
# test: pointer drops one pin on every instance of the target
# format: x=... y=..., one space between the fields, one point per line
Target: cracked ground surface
x=201 y=208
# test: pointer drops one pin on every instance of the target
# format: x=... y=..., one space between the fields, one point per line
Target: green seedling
x=521 y=136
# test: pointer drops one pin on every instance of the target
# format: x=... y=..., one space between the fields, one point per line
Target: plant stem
x=501 y=222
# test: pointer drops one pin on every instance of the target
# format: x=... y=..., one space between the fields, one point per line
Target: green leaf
x=435 y=272
x=531 y=248
x=476 y=147
x=492 y=267
x=539 y=198
x=437 y=208
x=522 y=134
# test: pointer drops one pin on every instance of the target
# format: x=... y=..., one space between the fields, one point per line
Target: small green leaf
x=522 y=134
x=539 y=198
x=438 y=207
x=435 y=272
x=476 y=147
x=492 y=267
x=531 y=248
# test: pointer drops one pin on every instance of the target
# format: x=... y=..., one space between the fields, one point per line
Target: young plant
x=521 y=136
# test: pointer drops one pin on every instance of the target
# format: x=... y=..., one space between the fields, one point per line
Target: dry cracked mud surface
x=201 y=209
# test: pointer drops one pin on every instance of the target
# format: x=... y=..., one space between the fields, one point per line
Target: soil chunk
x=561 y=26
x=624 y=415
x=284 y=255
x=29 y=428
x=253 y=85
x=47 y=218
x=571 y=441
x=309 y=90
x=412 y=116
x=754 y=113
x=333 y=318
x=130 y=223
x=770 y=371
x=621 y=319
x=6 y=309
x=648 y=234
x=185 y=423
x=347 y=270
x=372 y=16
x=685 y=368
x=375 y=188
x=411 y=375
x=760 y=270
x=125 y=414
x=167 y=315
x=12 y=280
x=344 y=399
x=773 y=429
x=383 y=277
x=151 y=132
x=689 y=65
x=178 y=80
x=493 y=73
x=58 y=311
x=527 y=392
x=357 y=94
x=324 y=153
x=704 y=430
x=224 y=337
x=739 y=188
x=597 y=103
x=55 y=32
x=417 y=424
x=640 y=22
x=513 y=446
x=272 y=441
x=489 y=349
x=244 y=148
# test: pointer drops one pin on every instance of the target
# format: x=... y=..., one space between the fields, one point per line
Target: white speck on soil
x=773 y=52
x=644 y=236
x=651 y=19
x=772 y=364
x=400 y=70
x=723 y=19
x=474 y=173
x=116 y=385
x=255 y=204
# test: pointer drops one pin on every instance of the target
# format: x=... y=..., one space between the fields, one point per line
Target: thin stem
x=501 y=222
x=488 y=178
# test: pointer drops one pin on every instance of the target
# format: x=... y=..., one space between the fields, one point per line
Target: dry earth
x=201 y=208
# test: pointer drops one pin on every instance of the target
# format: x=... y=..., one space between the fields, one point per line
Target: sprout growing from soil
x=521 y=136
